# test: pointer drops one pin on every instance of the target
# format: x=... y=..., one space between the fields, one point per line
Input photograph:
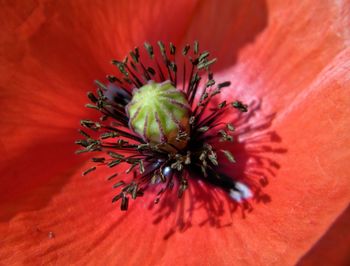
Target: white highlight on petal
x=244 y=192
x=166 y=170
x=235 y=195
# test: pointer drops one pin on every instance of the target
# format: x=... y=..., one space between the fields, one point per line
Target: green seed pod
x=159 y=113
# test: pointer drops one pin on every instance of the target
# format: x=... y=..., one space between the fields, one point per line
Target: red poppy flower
x=293 y=58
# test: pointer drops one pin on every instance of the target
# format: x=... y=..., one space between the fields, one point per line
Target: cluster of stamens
x=190 y=154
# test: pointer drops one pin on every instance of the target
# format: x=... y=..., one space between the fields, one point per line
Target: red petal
x=324 y=252
x=297 y=65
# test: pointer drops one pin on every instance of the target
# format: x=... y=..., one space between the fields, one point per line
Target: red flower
x=294 y=57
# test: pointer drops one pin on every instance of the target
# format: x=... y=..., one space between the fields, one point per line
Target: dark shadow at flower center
x=256 y=149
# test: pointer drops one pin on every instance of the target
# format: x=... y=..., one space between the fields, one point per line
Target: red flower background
x=293 y=57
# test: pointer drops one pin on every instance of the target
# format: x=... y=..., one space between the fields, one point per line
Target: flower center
x=166 y=134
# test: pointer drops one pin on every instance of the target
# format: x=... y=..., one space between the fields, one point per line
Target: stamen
x=161 y=150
